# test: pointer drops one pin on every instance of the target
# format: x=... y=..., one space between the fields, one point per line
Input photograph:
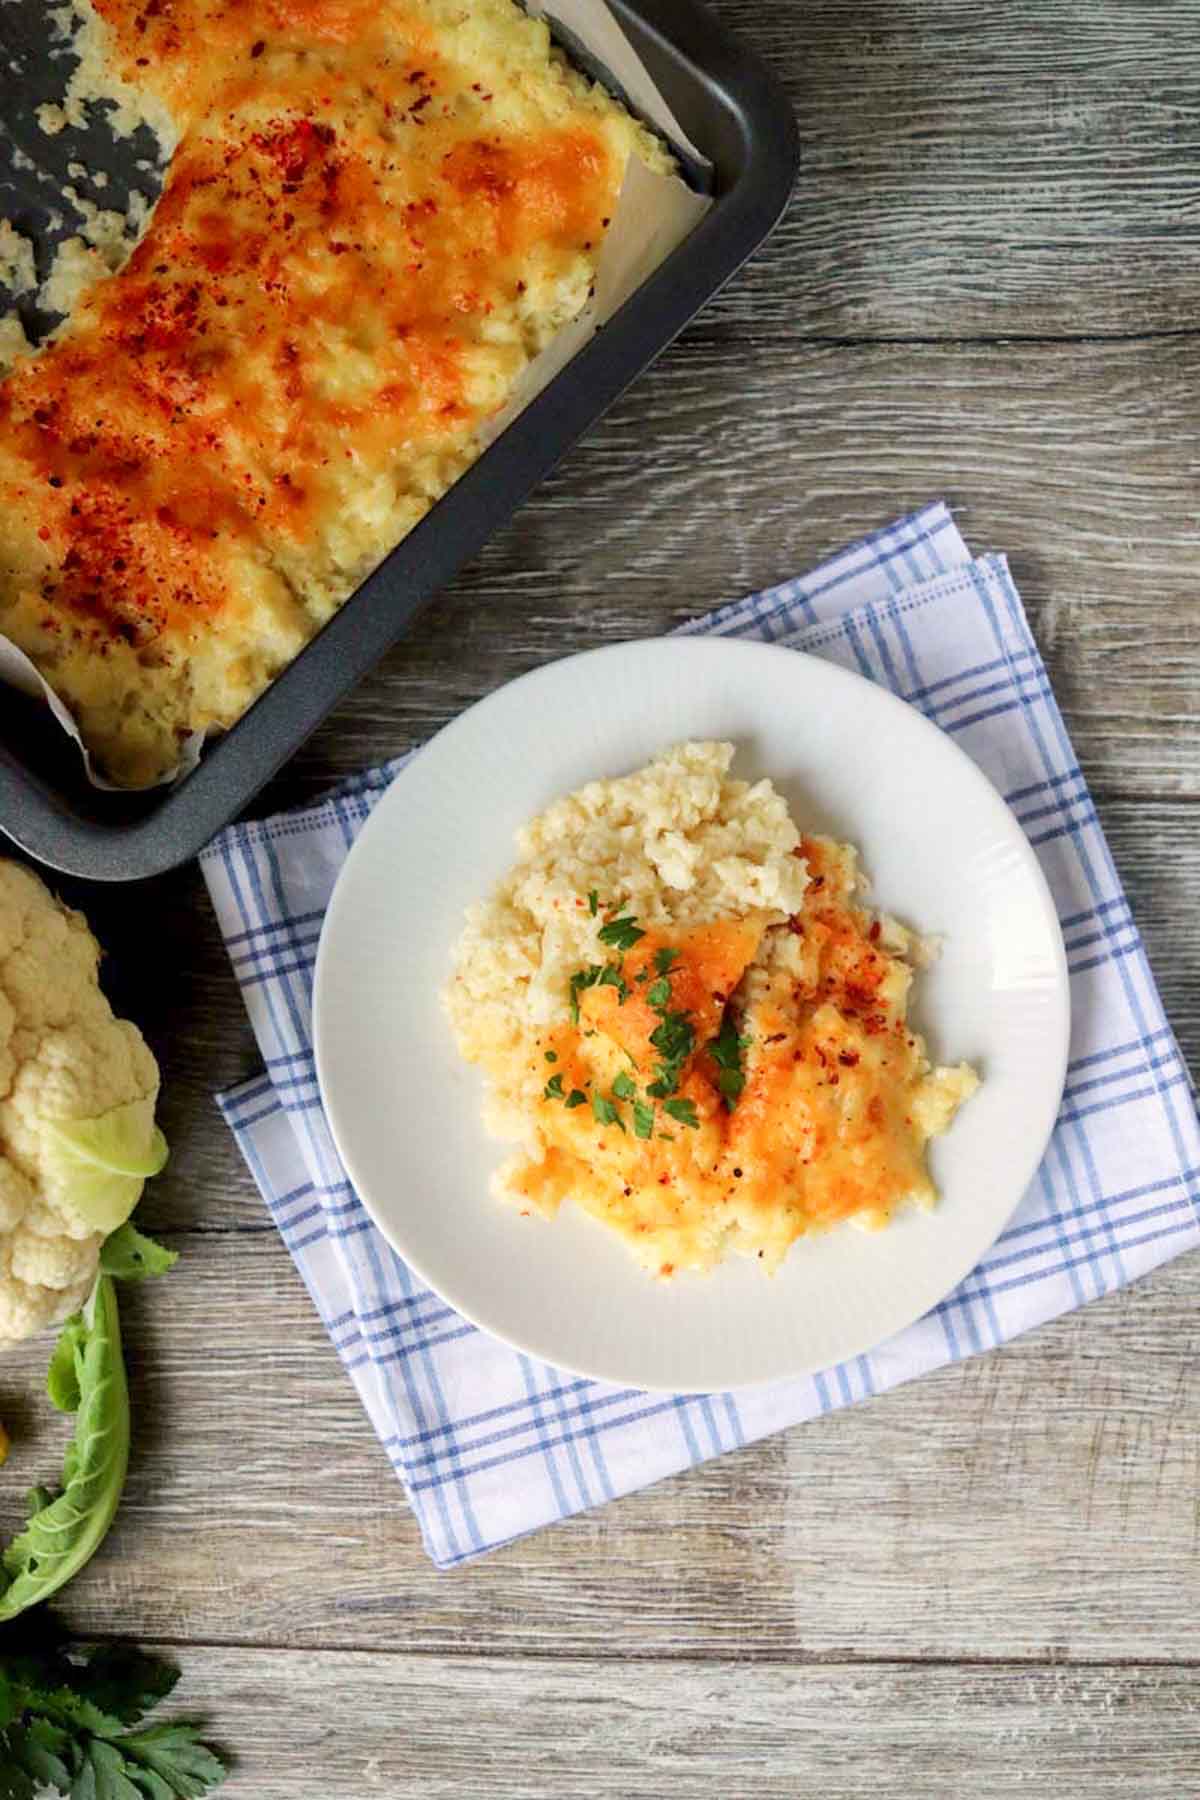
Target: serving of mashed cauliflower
x=691 y=1026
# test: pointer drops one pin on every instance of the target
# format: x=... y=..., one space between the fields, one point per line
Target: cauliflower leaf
x=62 y=1536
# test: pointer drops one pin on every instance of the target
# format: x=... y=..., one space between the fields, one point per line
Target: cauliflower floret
x=63 y=1056
x=27 y=1307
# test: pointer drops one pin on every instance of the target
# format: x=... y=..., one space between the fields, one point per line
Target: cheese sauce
x=831 y=1124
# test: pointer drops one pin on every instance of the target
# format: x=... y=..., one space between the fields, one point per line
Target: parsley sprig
x=674 y=1039
x=75 y=1723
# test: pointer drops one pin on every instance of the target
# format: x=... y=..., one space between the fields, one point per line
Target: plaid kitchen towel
x=490 y=1444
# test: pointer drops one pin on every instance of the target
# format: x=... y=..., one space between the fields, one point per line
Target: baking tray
x=738 y=115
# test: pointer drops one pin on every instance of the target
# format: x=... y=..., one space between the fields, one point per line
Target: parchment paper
x=652 y=216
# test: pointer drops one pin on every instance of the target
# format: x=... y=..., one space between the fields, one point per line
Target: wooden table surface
x=984 y=1584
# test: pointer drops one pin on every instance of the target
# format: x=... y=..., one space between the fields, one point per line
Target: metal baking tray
x=737 y=114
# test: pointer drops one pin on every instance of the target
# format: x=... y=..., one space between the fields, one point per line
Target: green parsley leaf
x=623 y=1087
x=606 y=1113
x=596 y=975
x=582 y=978
x=611 y=976
x=552 y=1056
x=65 y=1718
x=174 y=1753
x=104 y=1775
x=593 y=903
x=553 y=1089
x=674 y=1038
x=664 y=958
x=726 y=1051
x=731 y=1082
x=659 y=995
x=683 y=1110
x=125 y=1682
x=575 y=1098
x=622 y=933
x=643 y=1119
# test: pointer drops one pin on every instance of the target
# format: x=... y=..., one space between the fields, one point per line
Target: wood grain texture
x=986 y=288
x=1041 y=1502
x=971 y=170
x=441 y=1728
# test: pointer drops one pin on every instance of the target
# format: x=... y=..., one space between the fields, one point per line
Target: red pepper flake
x=848 y=1058
x=874 y=932
x=418 y=105
x=256 y=50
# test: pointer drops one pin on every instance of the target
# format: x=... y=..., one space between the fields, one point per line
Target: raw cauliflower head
x=63 y=1056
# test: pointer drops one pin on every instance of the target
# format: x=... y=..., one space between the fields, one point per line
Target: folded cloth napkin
x=490 y=1444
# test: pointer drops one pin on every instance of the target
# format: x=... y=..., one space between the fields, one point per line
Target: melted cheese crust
x=377 y=213
x=838 y=1106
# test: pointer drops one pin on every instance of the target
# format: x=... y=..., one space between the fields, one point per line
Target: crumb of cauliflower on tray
x=64 y=1057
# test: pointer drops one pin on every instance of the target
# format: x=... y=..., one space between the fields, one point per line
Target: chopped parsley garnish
x=553 y=1089
x=621 y=933
x=606 y=1113
x=731 y=1082
x=674 y=1040
x=596 y=975
x=623 y=1087
x=726 y=1051
x=664 y=958
x=593 y=903
x=659 y=994
x=683 y=1110
x=552 y=1056
x=575 y=1098
x=643 y=1119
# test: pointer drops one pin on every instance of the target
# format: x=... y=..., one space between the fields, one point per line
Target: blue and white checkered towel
x=490 y=1444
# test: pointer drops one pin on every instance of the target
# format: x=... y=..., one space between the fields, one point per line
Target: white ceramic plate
x=944 y=853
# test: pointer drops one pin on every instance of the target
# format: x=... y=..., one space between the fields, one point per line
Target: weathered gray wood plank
x=976 y=170
x=1037 y=1502
x=440 y=1728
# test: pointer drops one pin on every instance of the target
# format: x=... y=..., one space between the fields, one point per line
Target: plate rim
x=708 y=645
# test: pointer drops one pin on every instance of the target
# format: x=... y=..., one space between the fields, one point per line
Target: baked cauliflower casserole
x=693 y=1027
x=376 y=214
